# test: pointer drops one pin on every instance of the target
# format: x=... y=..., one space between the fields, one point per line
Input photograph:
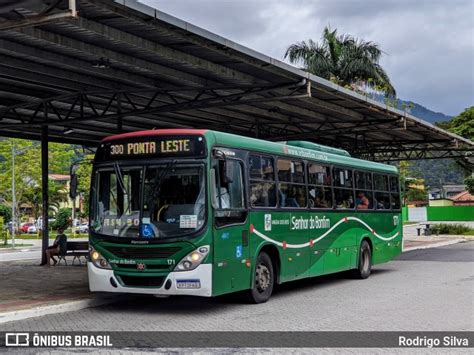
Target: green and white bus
x=205 y=213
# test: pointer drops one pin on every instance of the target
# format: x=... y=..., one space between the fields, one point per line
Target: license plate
x=188 y=284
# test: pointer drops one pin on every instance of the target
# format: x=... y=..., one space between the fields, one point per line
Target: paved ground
x=422 y=242
x=26 y=284
x=428 y=289
x=27 y=287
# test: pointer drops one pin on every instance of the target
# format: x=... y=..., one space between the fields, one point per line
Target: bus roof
x=300 y=150
x=322 y=154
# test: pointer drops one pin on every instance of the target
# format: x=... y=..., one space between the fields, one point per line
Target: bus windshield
x=153 y=201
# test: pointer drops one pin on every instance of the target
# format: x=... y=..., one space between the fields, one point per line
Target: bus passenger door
x=231 y=248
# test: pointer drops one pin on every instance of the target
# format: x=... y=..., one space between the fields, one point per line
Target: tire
x=263 y=280
x=364 y=266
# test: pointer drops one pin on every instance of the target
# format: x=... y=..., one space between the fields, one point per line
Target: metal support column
x=44 y=183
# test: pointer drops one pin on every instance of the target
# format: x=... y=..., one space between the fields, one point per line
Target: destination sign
x=153 y=147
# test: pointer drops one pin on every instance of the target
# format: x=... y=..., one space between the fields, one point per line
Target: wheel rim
x=262 y=278
x=365 y=260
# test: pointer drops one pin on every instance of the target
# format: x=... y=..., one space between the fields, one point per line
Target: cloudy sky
x=429 y=44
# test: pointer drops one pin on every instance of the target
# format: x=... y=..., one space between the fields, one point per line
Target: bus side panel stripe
x=298 y=246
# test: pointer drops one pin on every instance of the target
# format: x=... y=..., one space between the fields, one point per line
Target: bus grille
x=143 y=253
x=148 y=266
x=142 y=281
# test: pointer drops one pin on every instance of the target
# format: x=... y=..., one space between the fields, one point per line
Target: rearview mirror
x=228 y=172
x=73 y=186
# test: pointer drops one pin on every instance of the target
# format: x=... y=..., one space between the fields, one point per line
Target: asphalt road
x=430 y=289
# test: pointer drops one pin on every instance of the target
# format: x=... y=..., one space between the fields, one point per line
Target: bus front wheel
x=264 y=279
x=364 y=267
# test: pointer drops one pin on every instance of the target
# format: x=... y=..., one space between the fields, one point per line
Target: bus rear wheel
x=264 y=280
x=364 y=267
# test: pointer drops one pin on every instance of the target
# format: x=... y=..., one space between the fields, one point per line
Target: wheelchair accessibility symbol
x=147 y=231
x=238 y=251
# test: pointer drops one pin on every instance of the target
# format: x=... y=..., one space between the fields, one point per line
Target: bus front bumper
x=182 y=282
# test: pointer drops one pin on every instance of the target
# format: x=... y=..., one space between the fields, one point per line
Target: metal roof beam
x=319 y=103
x=75 y=64
x=169 y=74
x=115 y=98
x=219 y=49
x=35 y=20
x=112 y=34
x=361 y=128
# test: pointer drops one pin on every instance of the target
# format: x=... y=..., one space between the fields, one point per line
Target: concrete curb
x=434 y=245
x=56 y=308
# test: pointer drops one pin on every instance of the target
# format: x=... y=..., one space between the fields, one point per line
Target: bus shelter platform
x=28 y=290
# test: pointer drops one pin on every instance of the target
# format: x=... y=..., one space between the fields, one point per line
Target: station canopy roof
x=93 y=68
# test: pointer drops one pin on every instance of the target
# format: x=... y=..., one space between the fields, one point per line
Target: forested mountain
x=435 y=172
x=415 y=109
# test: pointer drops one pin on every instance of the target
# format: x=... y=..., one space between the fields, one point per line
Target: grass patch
x=455 y=229
x=408 y=223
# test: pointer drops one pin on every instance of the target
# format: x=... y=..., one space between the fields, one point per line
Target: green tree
x=413 y=194
x=409 y=180
x=84 y=173
x=343 y=59
x=56 y=195
x=28 y=170
x=63 y=218
x=6 y=213
x=463 y=124
x=469 y=181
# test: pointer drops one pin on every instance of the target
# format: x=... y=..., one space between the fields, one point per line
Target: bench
x=426 y=230
x=75 y=249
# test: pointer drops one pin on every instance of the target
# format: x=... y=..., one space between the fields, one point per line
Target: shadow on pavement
x=180 y=305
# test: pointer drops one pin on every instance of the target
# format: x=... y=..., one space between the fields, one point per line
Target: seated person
x=316 y=201
x=320 y=203
x=59 y=247
x=362 y=201
x=346 y=203
x=224 y=198
x=281 y=198
x=381 y=205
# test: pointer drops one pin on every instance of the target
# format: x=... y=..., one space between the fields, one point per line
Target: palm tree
x=344 y=60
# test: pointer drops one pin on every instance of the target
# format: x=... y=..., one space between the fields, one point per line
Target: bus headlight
x=193 y=259
x=98 y=260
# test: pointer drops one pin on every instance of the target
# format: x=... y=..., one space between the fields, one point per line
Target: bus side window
x=291 y=186
x=229 y=194
x=394 y=193
x=381 y=192
x=319 y=185
x=343 y=192
x=364 y=193
x=262 y=181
